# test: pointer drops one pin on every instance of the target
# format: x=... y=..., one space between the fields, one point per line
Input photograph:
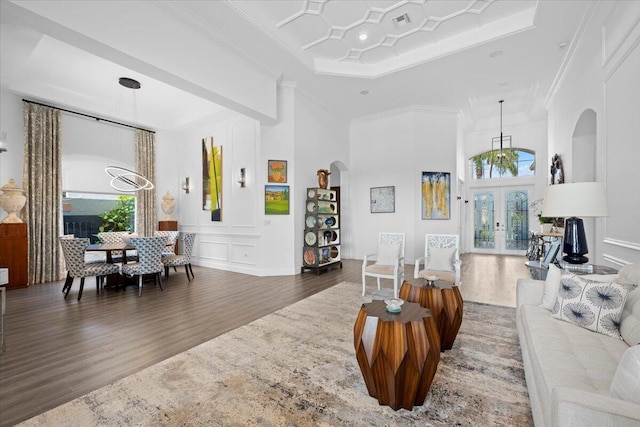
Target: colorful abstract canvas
x=212 y=178
x=436 y=190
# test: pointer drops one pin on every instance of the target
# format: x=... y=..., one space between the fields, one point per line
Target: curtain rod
x=87 y=115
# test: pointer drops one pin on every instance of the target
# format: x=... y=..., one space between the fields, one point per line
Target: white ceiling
x=460 y=55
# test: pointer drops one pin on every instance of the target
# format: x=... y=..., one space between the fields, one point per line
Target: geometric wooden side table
x=446 y=305
x=398 y=353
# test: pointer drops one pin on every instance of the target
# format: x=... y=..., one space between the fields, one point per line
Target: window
x=86 y=214
x=512 y=163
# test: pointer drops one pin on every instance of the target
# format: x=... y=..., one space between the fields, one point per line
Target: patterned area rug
x=297 y=367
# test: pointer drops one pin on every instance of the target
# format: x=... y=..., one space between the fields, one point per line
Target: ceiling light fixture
x=363 y=36
x=125 y=180
x=364 y=92
x=502 y=139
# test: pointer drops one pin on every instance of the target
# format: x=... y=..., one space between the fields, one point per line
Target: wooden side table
x=398 y=354
x=446 y=305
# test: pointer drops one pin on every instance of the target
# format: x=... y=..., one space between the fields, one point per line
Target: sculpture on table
x=168 y=205
x=323 y=178
x=12 y=200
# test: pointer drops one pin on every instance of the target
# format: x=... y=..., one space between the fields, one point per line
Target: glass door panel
x=516 y=214
x=483 y=220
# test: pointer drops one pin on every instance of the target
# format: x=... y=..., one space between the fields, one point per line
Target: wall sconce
x=243 y=178
x=186 y=186
x=3 y=142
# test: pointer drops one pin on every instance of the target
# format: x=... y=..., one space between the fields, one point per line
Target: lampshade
x=579 y=199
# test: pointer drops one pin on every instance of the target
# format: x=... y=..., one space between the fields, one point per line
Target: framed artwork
x=212 y=178
x=551 y=254
x=383 y=199
x=436 y=195
x=277 y=171
x=276 y=200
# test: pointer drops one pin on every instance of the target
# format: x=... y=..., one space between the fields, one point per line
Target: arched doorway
x=339 y=181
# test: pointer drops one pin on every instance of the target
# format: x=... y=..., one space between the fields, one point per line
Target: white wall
x=393 y=149
x=603 y=76
x=11 y=123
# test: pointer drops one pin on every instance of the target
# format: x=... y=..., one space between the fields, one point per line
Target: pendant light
x=501 y=140
x=125 y=180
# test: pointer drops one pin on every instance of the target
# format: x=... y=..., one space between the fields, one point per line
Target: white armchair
x=441 y=258
x=389 y=261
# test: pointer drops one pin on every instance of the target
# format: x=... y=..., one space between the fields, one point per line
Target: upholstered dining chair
x=73 y=250
x=117 y=237
x=149 y=259
x=441 y=258
x=183 y=259
x=389 y=261
x=172 y=237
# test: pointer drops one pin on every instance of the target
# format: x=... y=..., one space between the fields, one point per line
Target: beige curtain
x=146 y=199
x=42 y=181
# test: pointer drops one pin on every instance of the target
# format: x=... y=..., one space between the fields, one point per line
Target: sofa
x=575 y=376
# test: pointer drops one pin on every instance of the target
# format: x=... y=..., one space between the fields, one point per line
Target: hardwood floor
x=59 y=349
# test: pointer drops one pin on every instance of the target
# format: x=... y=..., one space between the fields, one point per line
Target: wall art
x=212 y=178
x=436 y=193
x=277 y=171
x=276 y=199
x=383 y=199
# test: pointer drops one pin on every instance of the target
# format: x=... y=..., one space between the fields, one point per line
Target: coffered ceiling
x=372 y=38
x=458 y=55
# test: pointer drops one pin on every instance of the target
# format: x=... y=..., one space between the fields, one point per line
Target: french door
x=500 y=220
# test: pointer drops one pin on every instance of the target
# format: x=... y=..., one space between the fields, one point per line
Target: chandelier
x=501 y=141
x=125 y=180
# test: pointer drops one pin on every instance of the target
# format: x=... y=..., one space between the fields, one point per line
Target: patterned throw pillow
x=596 y=306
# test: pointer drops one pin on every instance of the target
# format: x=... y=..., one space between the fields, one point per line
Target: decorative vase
x=546 y=228
x=323 y=178
x=12 y=200
x=168 y=205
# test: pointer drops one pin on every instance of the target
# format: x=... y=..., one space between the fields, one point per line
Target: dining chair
x=149 y=260
x=117 y=237
x=182 y=259
x=389 y=261
x=172 y=237
x=73 y=250
x=441 y=258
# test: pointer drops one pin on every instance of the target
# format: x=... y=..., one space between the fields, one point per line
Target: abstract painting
x=436 y=191
x=212 y=178
x=383 y=199
x=276 y=199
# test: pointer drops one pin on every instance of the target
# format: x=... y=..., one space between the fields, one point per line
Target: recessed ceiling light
x=495 y=53
x=364 y=92
x=363 y=36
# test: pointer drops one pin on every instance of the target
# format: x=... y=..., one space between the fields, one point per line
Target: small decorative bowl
x=432 y=279
x=394 y=305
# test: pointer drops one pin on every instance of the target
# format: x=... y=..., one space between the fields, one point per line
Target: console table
x=398 y=353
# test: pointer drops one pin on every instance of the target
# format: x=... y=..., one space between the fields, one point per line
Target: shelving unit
x=321 y=249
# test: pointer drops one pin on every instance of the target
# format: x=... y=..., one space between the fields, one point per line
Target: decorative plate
x=311 y=193
x=311 y=206
x=311 y=221
x=310 y=256
x=331 y=221
x=310 y=238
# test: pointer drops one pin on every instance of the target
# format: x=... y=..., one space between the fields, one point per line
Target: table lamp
x=570 y=201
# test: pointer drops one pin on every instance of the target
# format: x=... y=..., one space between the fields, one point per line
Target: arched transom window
x=518 y=162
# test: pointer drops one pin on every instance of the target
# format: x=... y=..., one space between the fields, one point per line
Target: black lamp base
x=575 y=259
x=575 y=242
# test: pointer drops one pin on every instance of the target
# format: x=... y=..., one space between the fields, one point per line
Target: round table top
x=411 y=312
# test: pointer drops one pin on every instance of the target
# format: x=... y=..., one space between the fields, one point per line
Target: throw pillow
x=440 y=259
x=596 y=306
x=388 y=253
x=626 y=381
x=630 y=322
x=551 y=285
x=629 y=274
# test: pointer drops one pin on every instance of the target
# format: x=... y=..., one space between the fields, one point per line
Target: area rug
x=297 y=367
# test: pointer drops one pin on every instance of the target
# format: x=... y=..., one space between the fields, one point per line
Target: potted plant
x=546 y=223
